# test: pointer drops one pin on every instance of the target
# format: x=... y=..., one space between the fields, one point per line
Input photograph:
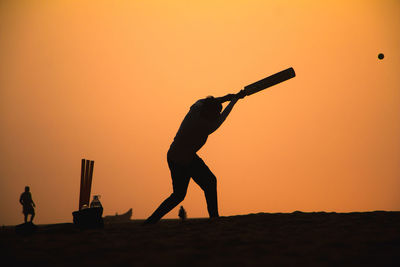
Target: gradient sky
x=112 y=80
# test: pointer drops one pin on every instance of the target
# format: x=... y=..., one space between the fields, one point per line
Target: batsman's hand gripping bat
x=269 y=81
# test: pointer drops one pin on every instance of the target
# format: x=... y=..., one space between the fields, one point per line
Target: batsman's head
x=211 y=108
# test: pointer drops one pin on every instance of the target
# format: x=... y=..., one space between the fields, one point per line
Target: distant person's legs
x=32 y=216
x=180 y=182
x=203 y=176
x=25 y=217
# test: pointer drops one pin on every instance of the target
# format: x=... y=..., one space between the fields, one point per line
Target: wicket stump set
x=86 y=182
x=87 y=217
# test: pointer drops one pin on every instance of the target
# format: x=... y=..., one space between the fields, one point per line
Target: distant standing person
x=27 y=204
x=182 y=214
x=203 y=118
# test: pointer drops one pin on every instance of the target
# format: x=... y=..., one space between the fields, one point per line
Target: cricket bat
x=269 y=81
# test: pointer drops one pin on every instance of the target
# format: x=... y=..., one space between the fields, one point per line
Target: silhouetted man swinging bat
x=203 y=118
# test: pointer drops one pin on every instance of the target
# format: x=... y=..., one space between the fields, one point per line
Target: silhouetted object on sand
x=27 y=204
x=96 y=202
x=182 y=214
x=87 y=217
x=25 y=228
x=125 y=217
x=381 y=56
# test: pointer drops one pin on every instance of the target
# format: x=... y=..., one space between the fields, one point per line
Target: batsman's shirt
x=191 y=136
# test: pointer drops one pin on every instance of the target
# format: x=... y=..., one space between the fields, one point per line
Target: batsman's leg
x=203 y=176
x=180 y=182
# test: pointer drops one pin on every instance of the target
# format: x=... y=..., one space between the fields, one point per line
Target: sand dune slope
x=301 y=239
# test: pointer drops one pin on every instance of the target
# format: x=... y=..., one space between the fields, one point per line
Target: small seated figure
x=96 y=202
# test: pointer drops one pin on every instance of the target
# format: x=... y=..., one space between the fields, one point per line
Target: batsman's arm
x=225 y=98
x=224 y=114
x=230 y=97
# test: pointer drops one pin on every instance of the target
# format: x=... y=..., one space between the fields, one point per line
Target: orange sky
x=112 y=80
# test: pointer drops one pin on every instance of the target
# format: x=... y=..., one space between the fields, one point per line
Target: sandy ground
x=294 y=239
